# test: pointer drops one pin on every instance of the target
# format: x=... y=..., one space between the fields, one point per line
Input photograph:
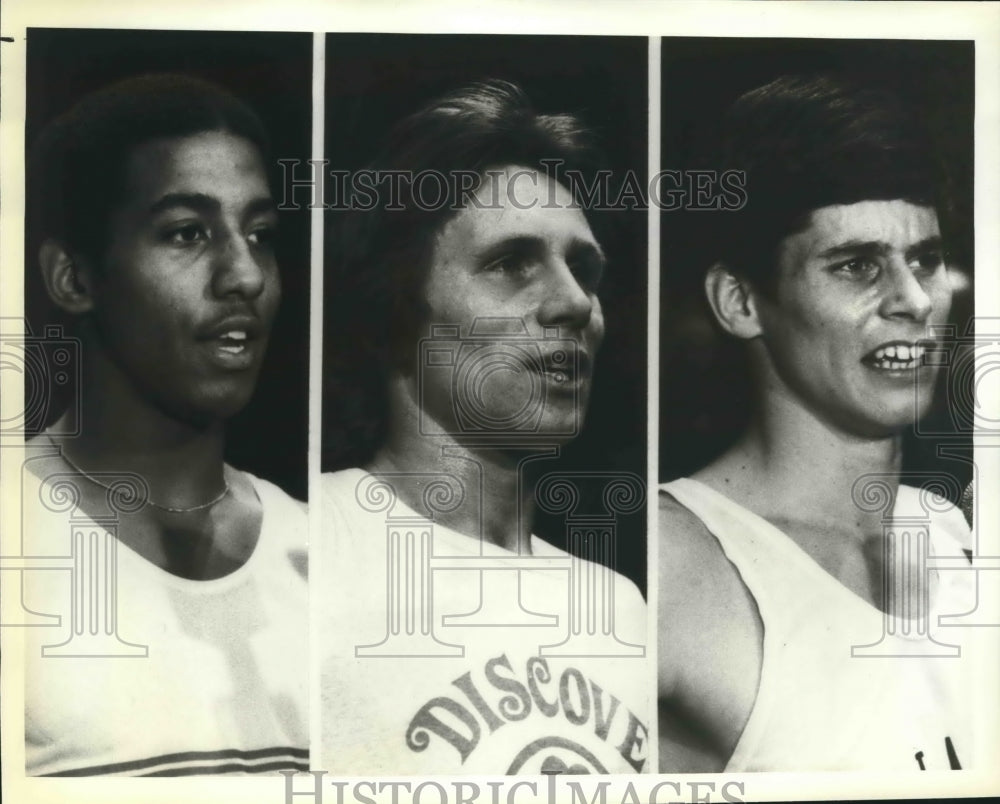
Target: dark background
x=704 y=398
x=374 y=80
x=272 y=73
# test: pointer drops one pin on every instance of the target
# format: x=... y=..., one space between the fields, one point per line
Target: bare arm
x=710 y=641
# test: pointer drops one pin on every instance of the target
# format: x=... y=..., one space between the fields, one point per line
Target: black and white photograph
x=499 y=403
x=484 y=431
x=164 y=486
x=816 y=306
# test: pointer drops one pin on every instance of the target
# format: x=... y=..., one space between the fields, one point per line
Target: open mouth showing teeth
x=233 y=342
x=897 y=357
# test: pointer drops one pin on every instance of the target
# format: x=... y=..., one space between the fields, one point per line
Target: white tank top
x=207 y=677
x=818 y=707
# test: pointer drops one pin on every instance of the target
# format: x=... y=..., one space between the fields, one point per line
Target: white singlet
x=408 y=689
x=205 y=677
x=818 y=707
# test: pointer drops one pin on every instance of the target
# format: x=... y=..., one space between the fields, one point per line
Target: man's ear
x=67 y=279
x=733 y=301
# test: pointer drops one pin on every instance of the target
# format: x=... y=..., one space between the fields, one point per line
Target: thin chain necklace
x=171 y=509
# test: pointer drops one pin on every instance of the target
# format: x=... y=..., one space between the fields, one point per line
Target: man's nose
x=904 y=296
x=237 y=269
x=566 y=302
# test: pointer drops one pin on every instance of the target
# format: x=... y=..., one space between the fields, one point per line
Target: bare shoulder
x=690 y=557
x=42 y=457
x=682 y=534
x=710 y=644
x=691 y=566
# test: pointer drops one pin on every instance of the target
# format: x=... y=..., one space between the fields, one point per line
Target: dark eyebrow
x=528 y=243
x=877 y=248
x=925 y=246
x=196 y=201
x=588 y=250
x=205 y=203
x=521 y=244
x=260 y=206
x=854 y=248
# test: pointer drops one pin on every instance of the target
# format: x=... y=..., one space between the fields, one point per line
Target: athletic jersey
x=818 y=707
x=446 y=655
x=204 y=677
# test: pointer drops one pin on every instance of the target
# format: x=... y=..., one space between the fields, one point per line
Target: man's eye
x=510 y=265
x=588 y=273
x=927 y=263
x=262 y=236
x=187 y=234
x=858 y=268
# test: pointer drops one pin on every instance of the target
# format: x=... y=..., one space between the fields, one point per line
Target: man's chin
x=882 y=424
x=210 y=410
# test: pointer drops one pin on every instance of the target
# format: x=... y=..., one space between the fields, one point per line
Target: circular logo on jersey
x=550 y=755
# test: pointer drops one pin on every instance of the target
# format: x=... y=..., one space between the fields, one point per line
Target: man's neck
x=497 y=502
x=119 y=431
x=203 y=521
x=791 y=461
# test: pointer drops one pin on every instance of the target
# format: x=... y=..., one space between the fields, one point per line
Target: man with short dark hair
x=773 y=560
x=451 y=633
x=156 y=223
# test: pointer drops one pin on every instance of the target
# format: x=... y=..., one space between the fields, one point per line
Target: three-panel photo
x=499 y=405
